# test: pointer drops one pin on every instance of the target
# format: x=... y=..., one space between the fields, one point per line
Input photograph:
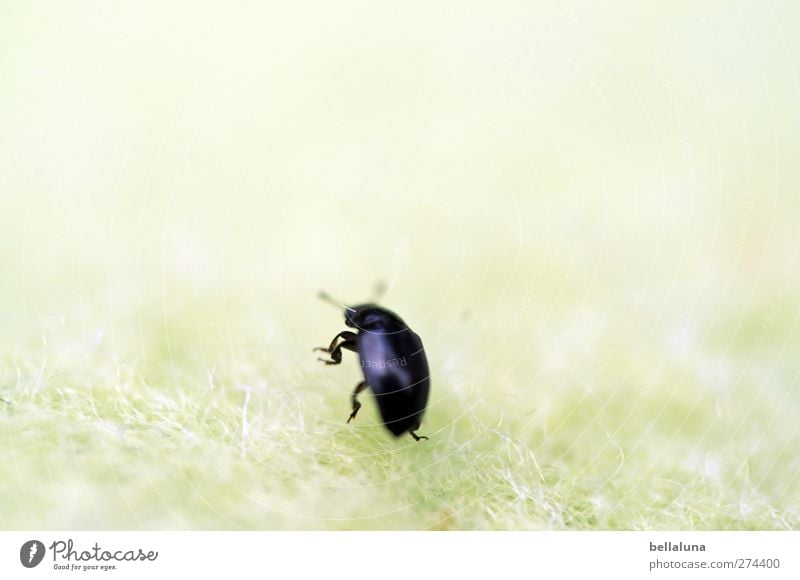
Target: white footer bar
x=400 y=555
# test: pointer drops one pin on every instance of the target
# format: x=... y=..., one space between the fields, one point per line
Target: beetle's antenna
x=379 y=290
x=324 y=296
x=327 y=298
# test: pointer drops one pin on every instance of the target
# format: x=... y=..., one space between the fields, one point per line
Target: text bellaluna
x=679 y=547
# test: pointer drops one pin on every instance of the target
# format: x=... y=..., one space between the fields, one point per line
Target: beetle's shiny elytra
x=393 y=362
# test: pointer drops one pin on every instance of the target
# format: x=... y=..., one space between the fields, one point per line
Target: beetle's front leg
x=356 y=403
x=335 y=351
x=417 y=437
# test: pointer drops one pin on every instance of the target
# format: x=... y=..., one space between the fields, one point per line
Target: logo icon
x=31 y=553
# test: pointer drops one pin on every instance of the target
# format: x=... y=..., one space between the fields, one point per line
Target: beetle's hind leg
x=417 y=437
x=356 y=403
x=335 y=351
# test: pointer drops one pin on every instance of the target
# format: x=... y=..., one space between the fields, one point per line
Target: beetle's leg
x=335 y=350
x=336 y=353
x=356 y=403
x=417 y=437
x=345 y=334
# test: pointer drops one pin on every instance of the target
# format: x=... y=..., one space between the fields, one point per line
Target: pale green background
x=588 y=210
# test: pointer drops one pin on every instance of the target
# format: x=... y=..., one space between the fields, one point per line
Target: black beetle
x=393 y=361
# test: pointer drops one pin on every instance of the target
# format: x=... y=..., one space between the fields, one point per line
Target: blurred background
x=588 y=210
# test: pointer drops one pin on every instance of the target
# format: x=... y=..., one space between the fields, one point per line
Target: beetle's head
x=372 y=318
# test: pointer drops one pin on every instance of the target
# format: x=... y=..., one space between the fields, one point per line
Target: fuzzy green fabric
x=589 y=216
